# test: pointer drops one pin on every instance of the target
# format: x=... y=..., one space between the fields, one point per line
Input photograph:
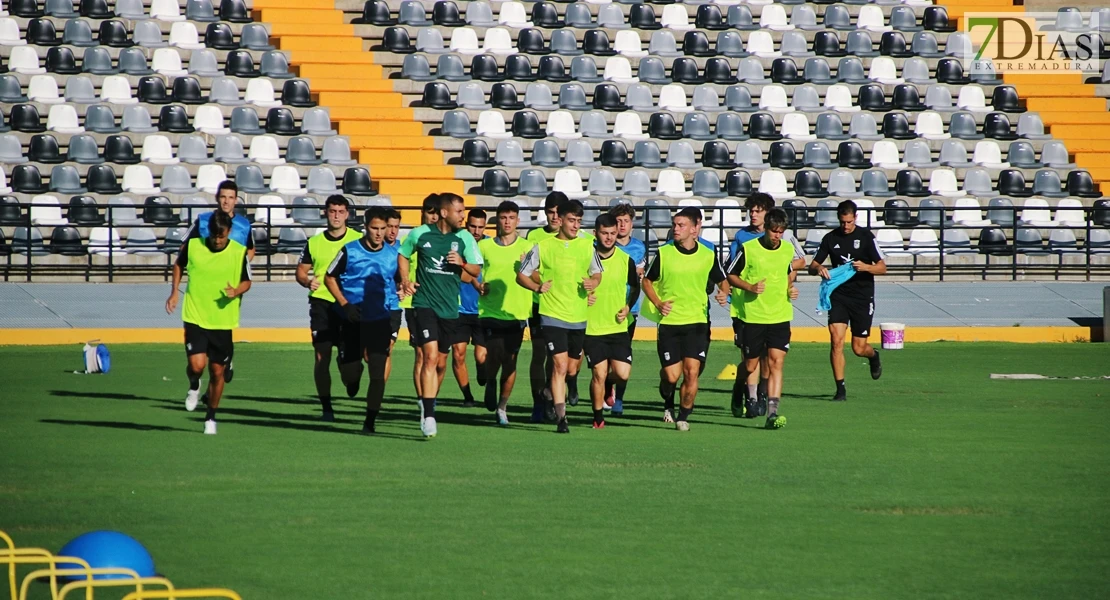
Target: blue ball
x=108 y=549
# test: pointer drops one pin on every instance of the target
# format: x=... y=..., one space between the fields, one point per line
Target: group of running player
x=578 y=293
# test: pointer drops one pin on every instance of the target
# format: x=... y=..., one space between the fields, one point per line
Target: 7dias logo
x=1009 y=43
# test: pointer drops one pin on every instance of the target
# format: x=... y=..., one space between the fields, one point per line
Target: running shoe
x=775 y=421
x=668 y=416
x=876 y=366
x=618 y=408
x=210 y=427
x=682 y=425
x=563 y=426
x=428 y=427
x=503 y=418
x=191 y=399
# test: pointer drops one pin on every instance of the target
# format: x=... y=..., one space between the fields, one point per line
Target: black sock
x=326 y=402
x=194 y=383
x=467 y=396
x=620 y=390
x=210 y=414
x=839 y=385
x=481 y=375
x=609 y=385
x=491 y=390
x=761 y=387
x=371 y=419
x=684 y=414
x=666 y=390
x=429 y=407
x=741 y=381
x=599 y=416
x=876 y=357
x=572 y=384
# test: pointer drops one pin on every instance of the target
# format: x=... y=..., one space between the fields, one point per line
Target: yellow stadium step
x=1087 y=160
x=1030 y=78
x=382 y=129
x=425 y=158
x=1100 y=174
x=1076 y=118
x=1068 y=132
x=1091 y=146
x=302 y=29
x=320 y=72
x=1104 y=188
x=333 y=44
x=327 y=57
x=297 y=15
x=361 y=101
x=355 y=113
x=1079 y=105
x=419 y=187
x=400 y=170
x=368 y=99
x=301 y=4
x=367 y=86
x=1057 y=91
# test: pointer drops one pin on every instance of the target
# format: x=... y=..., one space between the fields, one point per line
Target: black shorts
x=738 y=333
x=429 y=327
x=369 y=337
x=759 y=338
x=631 y=328
x=216 y=344
x=350 y=342
x=324 y=322
x=858 y=313
x=376 y=337
x=678 y=342
x=510 y=333
x=469 y=331
x=559 y=340
x=535 y=329
x=613 y=346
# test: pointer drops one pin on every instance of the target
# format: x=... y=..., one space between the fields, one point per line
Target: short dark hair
x=623 y=209
x=759 y=200
x=337 y=200
x=554 y=200
x=227 y=184
x=690 y=212
x=846 y=208
x=431 y=204
x=393 y=214
x=508 y=206
x=446 y=200
x=605 y=220
x=775 y=219
x=476 y=213
x=571 y=207
x=377 y=212
x=218 y=222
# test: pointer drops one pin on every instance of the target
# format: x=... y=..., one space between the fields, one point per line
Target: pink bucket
x=894 y=335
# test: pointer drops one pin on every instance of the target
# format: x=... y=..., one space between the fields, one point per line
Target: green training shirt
x=439 y=280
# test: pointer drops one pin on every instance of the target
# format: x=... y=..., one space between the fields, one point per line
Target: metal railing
x=275 y=259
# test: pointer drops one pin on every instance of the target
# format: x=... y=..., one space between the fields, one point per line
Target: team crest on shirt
x=855 y=244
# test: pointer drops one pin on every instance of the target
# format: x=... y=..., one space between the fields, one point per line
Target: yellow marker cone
x=728 y=373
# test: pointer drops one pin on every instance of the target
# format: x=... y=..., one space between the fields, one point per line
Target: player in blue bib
x=363 y=278
x=625 y=214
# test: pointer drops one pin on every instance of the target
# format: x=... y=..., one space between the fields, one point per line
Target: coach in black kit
x=853 y=301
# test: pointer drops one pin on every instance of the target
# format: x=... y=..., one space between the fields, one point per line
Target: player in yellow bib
x=219 y=274
x=564 y=270
x=503 y=307
x=324 y=322
x=608 y=345
x=762 y=269
x=675 y=286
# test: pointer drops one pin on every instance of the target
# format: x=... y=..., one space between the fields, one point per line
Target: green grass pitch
x=934 y=482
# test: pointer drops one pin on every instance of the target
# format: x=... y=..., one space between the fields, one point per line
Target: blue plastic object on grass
x=103 y=549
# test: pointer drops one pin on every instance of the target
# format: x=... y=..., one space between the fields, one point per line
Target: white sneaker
x=209 y=427
x=502 y=418
x=428 y=427
x=192 y=397
x=682 y=426
x=668 y=417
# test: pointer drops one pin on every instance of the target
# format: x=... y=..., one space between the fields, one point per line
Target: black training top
x=844 y=248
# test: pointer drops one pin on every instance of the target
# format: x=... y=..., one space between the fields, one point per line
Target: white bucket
x=893 y=334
